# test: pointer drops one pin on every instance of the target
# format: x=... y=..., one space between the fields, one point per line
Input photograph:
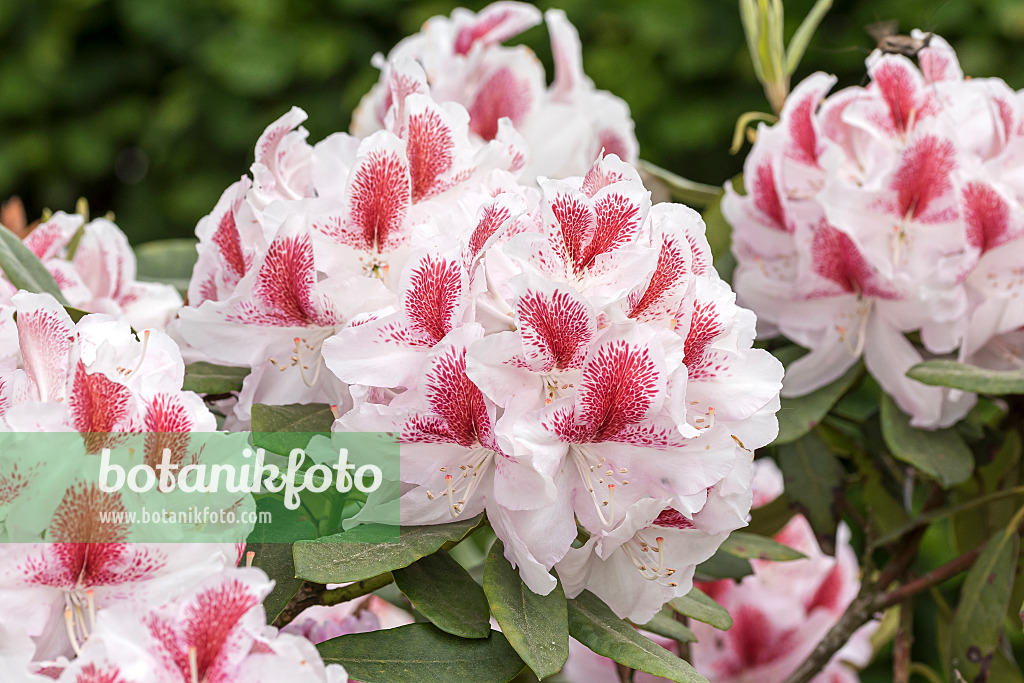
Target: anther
x=249 y=556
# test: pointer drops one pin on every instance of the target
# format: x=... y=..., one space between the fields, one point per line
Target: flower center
x=461 y=482
x=649 y=559
x=79 y=617
x=306 y=357
x=598 y=475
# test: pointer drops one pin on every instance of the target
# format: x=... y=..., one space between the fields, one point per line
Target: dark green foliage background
x=150 y=108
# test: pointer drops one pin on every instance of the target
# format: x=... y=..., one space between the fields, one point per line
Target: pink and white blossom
x=881 y=211
x=566 y=125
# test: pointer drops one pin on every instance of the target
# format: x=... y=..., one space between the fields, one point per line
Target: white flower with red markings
x=782 y=610
x=566 y=126
x=95 y=269
x=215 y=631
x=866 y=214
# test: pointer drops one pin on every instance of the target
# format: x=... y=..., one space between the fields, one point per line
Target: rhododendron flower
x=866 y=214
x=94 y=266
x=369 y=613
x=566 y=126
x=216 y=631
x=783 y=610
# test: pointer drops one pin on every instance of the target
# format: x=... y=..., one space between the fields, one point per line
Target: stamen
x=193 y=663
x=90 y=597
x=69 y=624
x=249 y=557
x=142 y=356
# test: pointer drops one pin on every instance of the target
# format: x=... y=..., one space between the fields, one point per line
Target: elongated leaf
x=207 y=378
x=688 y=191
x=798 y=416
x=798 y=43
x=769 y=519
x=442 y=591
x=664 y=624
x=423 y=653
x=949 y=373
x=167 y=261
x=941 y=454
x=24 y=269
x=536 y=625
x=276 y=560
x=595 y=625
x=279 y=429
x=697 y=605
x=723 y=565
x=754 y=547
x=978 y=622
x=334 y=559
x=814 y=481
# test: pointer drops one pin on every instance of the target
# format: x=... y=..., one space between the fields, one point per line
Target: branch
x=309 y=594
x=929 y=579
x=357 y=589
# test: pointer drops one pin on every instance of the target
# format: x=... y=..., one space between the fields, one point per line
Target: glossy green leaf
x=24 y=269
x=276 y=560
x=207 y=378
x=595 y=625
x=949 y=373
x=941 y=454
x=664 y=624
x=769 y=519
x=423 y=653
x=334 y=559
x=279 y=429
x=978 y=622
x=814 y=481
x=723 y=565
x=167 y=261
x=442 y=591
x=800 y=415
x=697 y=605
x=681 y=189
x=754 y=547
x=536 y=625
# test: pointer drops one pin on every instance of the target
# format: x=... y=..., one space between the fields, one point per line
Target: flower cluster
x=884 y=210
x=558 y=353
x=779 y=612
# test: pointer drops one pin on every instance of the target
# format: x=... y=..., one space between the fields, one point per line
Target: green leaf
x=279 y=429
x=697 y=605
x=769 y=519
x=276 y=560
x=798 y=43
x=722 y=565
x=814 y=481
x=665 y=624
x=687 y=191
x=978 y=622
x=167 y=261
x=536 y=625
x=334 y=559
x=24 y=269
x=423 y=653
x=207 y=378
x=941 y=454
x=442 y=591
x=754 y=547
x=949 y=373
x=595 y=625
x=798 y=416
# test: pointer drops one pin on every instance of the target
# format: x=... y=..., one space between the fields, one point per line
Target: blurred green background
x=149 y=108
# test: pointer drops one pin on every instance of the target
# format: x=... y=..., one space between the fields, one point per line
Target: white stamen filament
x=193 y=663
x=586 y=464
x=69 y=624
x=637 y=546
x=862 y=325
x=299 y=358
x=90 y=598
x=469 y=475
x=142 y=356
x=249 y=557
